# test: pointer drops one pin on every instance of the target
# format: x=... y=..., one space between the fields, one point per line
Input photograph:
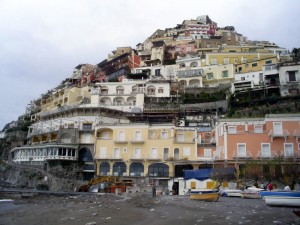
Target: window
x=161 y=90
x=210 y=76
x=189 y=49
x=166 y=154
x=137 y=153
x=176 y=153
x=213 y=61
x=258 y=129
x=186 y=151
x=208 y=45
x=86 y=126
x=254 y=64
x=164 y=135
x=241 y=151
x=265 y=150
x=226 y=60
x=157 y=72
x=153 y=153
x=291 y=75
x=207 y=153
x=102 y=152
x=288 y=150
x=231 y=129
x=268 y=61
x=225 y=73
x=121 y=136
x=105 y=135
x=277 y=126
x=180 y=137
x=138 y=135
x=117 y=153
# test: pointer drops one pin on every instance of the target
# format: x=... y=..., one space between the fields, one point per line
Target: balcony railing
x=266 y=155
x=279 y=134
x=120 y=141
x=154 y=157
x=136 y=157
x=240 y=155
x=289 y=155
x=137 y=141
x=184 y=141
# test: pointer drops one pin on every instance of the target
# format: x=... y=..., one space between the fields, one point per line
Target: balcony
x=297 y=134
x=110 y=157
x=266 y=155
x=136 y=157
x=153 y=157
x=289 y=155
x=242 y=155
x=179 y=141
x=120 y=141
x=137 y=141
x=279 y=134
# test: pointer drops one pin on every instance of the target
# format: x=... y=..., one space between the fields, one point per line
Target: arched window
x=176 y=153
x=194 y=64
x=158 y=170
x=104 y=168
x=119 y=168
x=136 y=169
x=85 y=155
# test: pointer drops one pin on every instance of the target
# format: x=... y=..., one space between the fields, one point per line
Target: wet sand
x=143 y=209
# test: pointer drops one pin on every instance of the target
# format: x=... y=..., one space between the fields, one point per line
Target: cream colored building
x=191 y=74
x=143 y=149
x=64 y=97
x=127 y=94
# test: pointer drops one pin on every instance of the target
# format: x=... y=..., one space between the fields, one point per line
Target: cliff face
x=18 y=176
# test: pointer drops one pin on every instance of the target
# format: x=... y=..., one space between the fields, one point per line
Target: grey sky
x=41 y=41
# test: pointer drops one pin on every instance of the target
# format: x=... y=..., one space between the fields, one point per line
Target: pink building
x=273 y=141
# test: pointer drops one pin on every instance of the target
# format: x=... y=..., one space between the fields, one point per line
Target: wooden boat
x=282 y=201
x=251 y=192
x=280 y=193
x=202 y=191
x=208 y=197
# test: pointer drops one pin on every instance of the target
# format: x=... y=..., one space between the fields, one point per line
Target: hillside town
x=191 y=97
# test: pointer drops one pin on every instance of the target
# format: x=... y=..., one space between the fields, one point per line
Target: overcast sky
x=41 y=41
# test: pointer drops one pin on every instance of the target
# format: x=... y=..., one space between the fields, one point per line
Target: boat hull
x=208 y=197
x=280 y=193
x=282 y=201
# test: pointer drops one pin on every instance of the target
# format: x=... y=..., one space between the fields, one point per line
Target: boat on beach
x=208 y=197
x=231 y=193
x=202 y=191
x=264 y=194
x=252 y=192
x=282 y=201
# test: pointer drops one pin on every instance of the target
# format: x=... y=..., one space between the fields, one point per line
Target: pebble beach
x=143 y=209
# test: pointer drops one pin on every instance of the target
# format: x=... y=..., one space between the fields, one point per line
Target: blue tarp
x=203 y=174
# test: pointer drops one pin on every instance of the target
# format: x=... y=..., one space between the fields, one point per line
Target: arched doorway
x=85 y=155
x=136 y=169
x=158 y=170
x=104 y=168
x=119 y=168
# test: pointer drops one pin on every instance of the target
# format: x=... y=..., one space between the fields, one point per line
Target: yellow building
x=64 y=97
x=243 y=61
x=143 y=150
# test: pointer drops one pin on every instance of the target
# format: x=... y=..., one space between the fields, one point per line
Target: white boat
x=231 y=192
x=282 y=201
